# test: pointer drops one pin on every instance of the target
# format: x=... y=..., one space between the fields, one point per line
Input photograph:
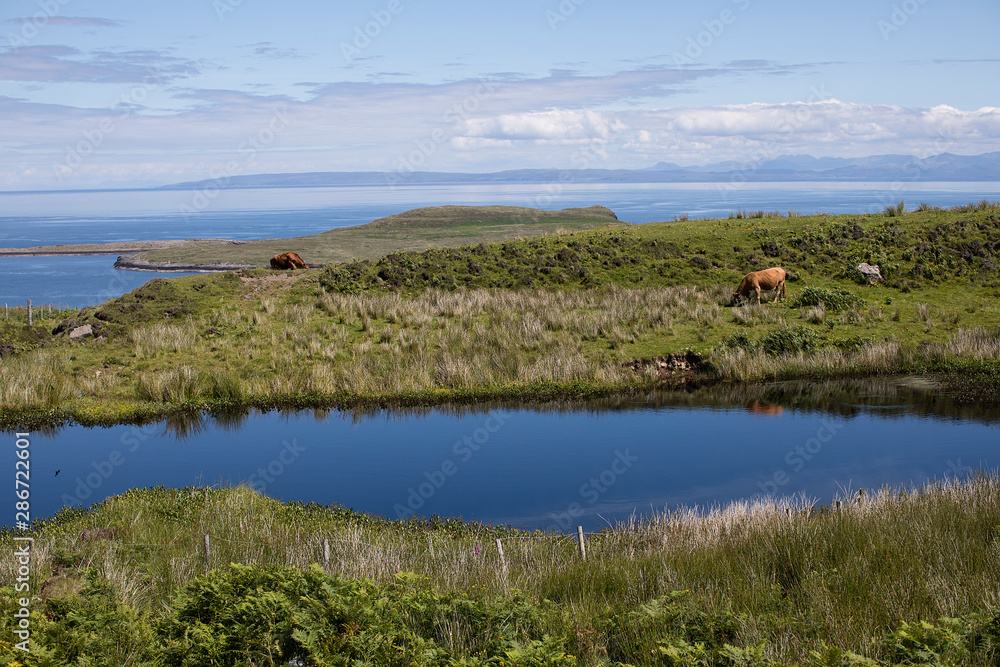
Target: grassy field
x=560 y=314
x=889 y=578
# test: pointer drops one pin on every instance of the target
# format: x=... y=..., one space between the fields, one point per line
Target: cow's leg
x=757 y=289
x=777 y=292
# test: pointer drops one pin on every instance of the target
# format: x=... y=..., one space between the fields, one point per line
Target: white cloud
x=828 y=127
x=553 y=125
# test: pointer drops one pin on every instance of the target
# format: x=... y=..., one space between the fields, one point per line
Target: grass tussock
x=779 y=581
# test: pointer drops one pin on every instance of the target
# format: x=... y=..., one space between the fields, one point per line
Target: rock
x=81 y=332
x=873 y=273
x=99 y=534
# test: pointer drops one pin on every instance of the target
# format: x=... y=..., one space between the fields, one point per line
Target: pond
x=551 y=466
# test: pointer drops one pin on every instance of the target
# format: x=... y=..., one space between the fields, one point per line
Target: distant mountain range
x=944 y=167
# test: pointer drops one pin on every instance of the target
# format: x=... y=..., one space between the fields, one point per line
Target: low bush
x=789 y=340
x=272 y=615
x=835 y=299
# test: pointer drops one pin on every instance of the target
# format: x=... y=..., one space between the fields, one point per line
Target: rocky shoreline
x=129 y=258
x=135 y=262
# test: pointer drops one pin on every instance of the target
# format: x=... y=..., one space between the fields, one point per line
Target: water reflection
x=757 y=407
x=888 y=397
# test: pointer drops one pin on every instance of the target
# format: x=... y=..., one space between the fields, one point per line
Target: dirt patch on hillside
x=672 y=367
x=266 y=283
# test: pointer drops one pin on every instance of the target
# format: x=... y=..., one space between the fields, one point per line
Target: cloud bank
x=620 y=120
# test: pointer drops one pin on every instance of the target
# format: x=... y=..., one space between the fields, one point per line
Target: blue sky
x=107 y=93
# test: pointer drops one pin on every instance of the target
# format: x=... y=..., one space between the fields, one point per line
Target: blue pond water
x=549 y=467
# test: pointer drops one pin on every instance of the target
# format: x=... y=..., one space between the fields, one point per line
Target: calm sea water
x=28 y=219
x=578 y=464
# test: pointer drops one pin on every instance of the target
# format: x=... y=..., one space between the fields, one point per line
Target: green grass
x=895 y=577
x=520 y=318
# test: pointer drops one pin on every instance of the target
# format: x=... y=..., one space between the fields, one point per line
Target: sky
x=115 y=93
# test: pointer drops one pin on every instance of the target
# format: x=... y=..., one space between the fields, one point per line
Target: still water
x=550 y=466
x=30 y=219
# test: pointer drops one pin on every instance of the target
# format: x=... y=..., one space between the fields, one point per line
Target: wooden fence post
x=326 y=555
x=29 y=312
x=208 y=552
x=503 y=559
x=583 y=546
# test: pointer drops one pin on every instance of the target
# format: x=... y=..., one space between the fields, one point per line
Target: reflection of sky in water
x=528 y=470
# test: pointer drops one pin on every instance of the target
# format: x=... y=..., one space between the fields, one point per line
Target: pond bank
x=971 y=391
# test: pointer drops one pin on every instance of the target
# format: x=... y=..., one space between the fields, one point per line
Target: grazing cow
x=289 y=261
x=766 y=280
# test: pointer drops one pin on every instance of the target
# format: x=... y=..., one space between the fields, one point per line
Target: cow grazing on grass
x=288 y=261
x=755 y=282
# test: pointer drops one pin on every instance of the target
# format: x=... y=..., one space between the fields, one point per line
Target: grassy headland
x=413 y=230
x=564 y=314
x=891 y=578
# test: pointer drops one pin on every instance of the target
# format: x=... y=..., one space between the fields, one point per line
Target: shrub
x=270 y=615
x=897 y=210
x=854 y=343
x=832 y=299
x=790 y=340
x=739 y=341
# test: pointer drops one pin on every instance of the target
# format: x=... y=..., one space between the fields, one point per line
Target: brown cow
x=767 y=280
x=289 y=261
